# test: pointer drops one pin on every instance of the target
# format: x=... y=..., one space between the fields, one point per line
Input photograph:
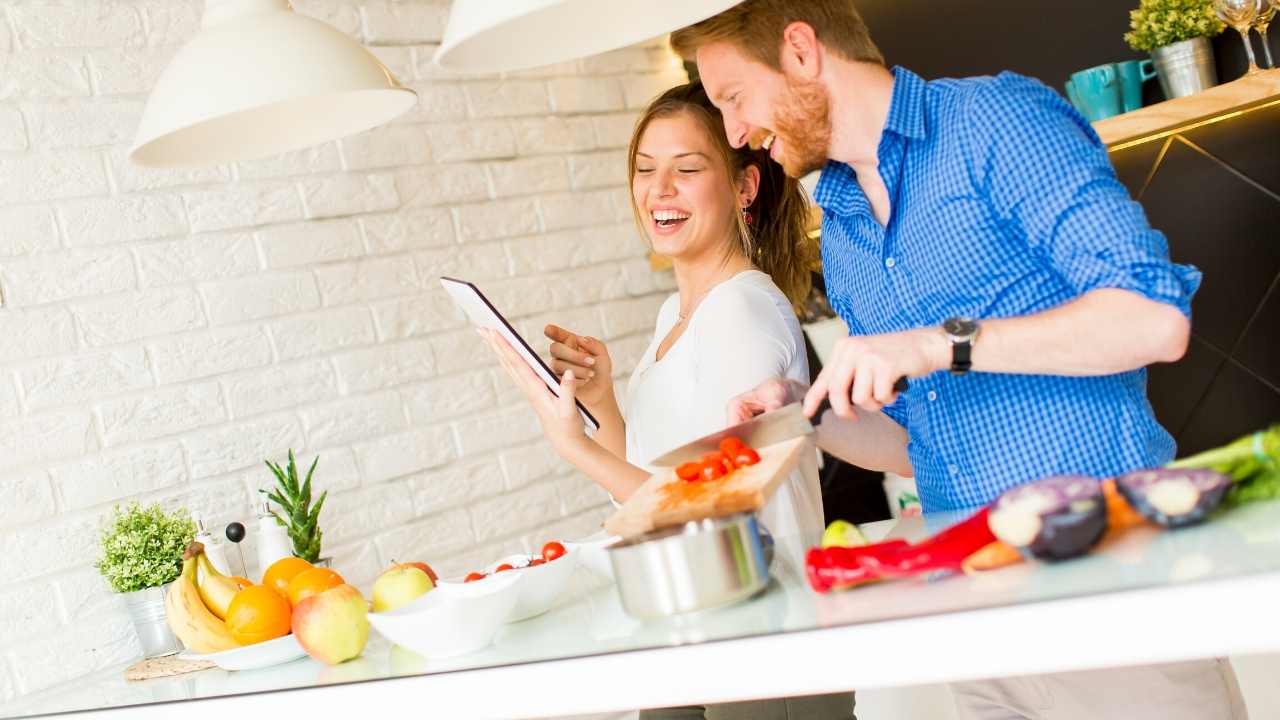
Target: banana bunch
x=194 y=610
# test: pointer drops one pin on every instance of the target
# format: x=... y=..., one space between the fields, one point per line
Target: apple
x=332 y=626
x=424 y=568
x=399 y=586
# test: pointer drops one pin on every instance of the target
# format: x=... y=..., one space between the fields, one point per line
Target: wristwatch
x=962 y=332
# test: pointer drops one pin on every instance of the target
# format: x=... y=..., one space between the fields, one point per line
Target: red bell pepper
x=841 y=567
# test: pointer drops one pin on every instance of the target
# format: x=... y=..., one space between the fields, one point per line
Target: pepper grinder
x=235 y=533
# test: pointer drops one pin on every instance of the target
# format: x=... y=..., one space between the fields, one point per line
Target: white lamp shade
x=501 y=35
x=259 y=80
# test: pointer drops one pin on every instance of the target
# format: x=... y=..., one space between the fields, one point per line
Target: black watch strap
x=960 y=362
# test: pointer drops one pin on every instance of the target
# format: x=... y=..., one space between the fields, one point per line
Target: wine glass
x=1239 y=14
x=1266 y=11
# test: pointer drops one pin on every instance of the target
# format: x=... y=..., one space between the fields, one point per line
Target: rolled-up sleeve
x=1048 y=174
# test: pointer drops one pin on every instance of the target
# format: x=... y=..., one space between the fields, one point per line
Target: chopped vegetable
x=1252 y=461
x=843 y=567
x=1051 y=519
x=1174 y=498
x=689 y=471
x=746 y=457
x=992 y=555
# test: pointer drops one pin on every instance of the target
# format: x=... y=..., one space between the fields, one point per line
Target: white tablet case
x=482 y=313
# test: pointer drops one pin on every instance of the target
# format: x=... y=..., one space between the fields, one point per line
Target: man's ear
x=801 y=54
x=748 y=186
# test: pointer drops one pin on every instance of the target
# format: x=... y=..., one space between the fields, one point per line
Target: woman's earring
x=746 y=217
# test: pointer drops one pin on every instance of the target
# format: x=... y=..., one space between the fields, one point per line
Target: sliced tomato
x=689 y=471
x=472 y=577
x=746 y=456
x=713 y=470
x=730 y=446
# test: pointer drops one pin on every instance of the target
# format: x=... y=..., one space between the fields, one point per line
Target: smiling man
x=976 y=240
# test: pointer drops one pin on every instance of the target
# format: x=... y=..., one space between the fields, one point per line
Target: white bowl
x=250 y=657
x=592 y=552
x=453 y=619
x=539 y=586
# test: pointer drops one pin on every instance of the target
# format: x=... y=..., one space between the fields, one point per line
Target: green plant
x=142 y=547
x=294 y=501
x=1157 y=23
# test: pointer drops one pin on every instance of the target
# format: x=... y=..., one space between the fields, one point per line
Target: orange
x=241 y=582
x=258 y=613
x=312 y=582
x=277 y=576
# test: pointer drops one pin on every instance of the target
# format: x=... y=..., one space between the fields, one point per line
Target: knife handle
x=900 y=386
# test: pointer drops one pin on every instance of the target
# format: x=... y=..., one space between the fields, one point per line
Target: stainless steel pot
x=696 y=566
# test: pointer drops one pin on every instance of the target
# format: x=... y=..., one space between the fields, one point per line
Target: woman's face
x=681 y=188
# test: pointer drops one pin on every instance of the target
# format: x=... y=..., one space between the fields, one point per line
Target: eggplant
x=1174 y=498
x=1055 y=518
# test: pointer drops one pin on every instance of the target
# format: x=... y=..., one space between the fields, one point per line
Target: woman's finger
x=555 y=333
x=583 y=373
x=565 y=404
x=560 y=351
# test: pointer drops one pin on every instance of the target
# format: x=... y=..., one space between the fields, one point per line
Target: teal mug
x=1098 y=91
x=1132 y=74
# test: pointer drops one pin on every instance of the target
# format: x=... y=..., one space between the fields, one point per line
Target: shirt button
x=953 y=469
x=890 y=262
x=932 y=395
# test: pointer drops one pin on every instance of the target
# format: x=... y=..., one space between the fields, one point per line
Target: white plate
x=537 y=587
x=250 y=657
x=453 y=619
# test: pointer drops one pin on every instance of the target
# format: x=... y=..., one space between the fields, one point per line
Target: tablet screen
x=482 y=313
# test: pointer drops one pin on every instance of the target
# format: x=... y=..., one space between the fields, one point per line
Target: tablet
x=482 y=313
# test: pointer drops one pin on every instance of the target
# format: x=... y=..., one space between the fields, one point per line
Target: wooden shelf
x=1166 y=118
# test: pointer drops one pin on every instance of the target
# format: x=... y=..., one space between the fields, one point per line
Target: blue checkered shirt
x=1003 y=203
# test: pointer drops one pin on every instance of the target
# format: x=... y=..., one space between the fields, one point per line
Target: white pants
x=1196 y=690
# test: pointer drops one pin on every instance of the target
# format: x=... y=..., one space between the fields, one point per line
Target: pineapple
x=294 y=502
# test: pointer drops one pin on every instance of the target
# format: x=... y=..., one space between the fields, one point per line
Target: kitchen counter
x=1151 y=596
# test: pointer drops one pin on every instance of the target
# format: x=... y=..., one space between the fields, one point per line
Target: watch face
x=959 y=326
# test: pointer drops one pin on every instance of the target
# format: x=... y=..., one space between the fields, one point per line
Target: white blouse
x=742 y=333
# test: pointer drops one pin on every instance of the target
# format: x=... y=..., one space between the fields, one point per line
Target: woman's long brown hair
x=776 y=241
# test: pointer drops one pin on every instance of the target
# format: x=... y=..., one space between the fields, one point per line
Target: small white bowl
x=251 y=657
x=592 y=552
x=453 y=619
x=537 y=586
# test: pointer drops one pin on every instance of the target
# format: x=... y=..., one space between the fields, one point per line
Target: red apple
x=423 y=567
x=332 y=626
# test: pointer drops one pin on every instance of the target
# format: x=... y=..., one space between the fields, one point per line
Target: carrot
x=992 y=555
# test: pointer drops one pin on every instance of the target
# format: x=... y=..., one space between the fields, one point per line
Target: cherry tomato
x=472 y=577
x=730 y=446
x=552 y=550
x=504 y=567
x=713 y=470
x=536 y=561
x=689 y=471
x=746 y=456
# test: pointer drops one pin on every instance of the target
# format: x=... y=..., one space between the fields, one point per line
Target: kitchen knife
x=760 y=431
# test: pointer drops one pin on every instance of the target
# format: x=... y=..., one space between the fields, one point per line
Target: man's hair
x=755 y=27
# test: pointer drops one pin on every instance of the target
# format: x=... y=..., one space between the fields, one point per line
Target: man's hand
x=863 y=369
x=769 y=395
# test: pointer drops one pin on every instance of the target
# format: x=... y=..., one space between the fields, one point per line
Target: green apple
x=399 y=586
x=332 y=626
x=842 y=533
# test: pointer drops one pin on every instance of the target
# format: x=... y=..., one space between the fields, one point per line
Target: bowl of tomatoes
x=540 y=579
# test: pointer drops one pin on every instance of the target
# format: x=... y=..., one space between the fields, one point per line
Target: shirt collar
x=837 y=190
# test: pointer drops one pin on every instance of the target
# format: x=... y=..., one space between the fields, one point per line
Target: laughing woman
x=734 y=227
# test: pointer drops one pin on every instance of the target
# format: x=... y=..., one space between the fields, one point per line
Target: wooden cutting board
x=665 y=500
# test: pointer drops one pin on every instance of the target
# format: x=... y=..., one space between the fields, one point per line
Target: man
x=975 y=239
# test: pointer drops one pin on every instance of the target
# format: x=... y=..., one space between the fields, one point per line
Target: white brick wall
x=163 y=332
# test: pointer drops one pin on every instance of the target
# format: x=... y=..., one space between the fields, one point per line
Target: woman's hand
x=589 y=360
x=558 y=415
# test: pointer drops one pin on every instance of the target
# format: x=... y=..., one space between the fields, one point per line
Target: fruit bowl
x=537 y=587
x=592 y=553
x=453 y=619
x=251 y=657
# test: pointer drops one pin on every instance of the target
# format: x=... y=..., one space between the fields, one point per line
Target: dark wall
x=1041 y=38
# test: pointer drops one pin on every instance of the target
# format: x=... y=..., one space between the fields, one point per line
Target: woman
x=734 y=227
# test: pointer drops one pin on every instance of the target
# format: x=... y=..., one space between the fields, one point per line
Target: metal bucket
x=146 y=609
x=695 y=566
x=1185 y=68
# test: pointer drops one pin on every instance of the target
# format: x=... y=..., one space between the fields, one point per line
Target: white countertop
x=1153 y=596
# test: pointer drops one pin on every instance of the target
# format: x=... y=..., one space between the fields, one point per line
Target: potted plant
x=296 y=513
x=141 y=554
x=1176 y=33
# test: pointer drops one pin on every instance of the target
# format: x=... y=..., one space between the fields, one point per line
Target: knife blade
x=760 y=431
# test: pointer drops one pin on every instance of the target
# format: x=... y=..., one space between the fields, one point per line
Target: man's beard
x=803 y=124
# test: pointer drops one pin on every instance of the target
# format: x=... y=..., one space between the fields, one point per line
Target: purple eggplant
x=1051 y=519
x=1174 y=498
